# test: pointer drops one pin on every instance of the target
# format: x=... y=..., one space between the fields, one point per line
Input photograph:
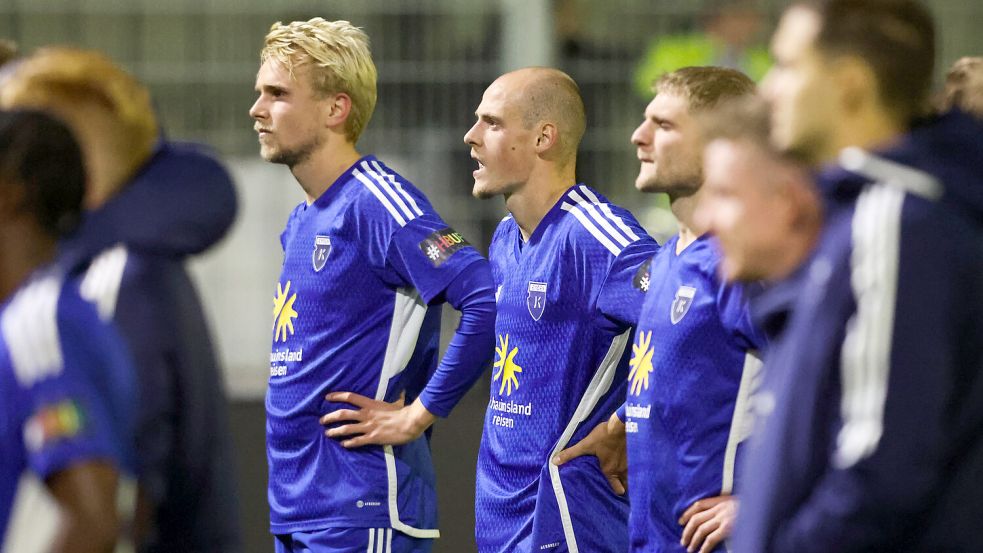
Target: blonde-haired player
x=367 y=263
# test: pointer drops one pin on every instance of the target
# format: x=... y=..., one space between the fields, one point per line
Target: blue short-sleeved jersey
x=567 y=300
x=690 y=378
x=362 y=264
x=66 y=388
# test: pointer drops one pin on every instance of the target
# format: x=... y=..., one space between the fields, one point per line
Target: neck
x=319 y=171
x=683 y=208
x=536 y=197
x=25 y=248
x=869 y=129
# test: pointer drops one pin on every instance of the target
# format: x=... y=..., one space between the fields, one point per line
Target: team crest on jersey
x=681 y=303
x=322 y=248
x=536 y=300
x=439 y=246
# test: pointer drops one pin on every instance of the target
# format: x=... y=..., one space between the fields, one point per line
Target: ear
x=855 y=82
x=805 y=207
x=337 y=107
x=547 y=137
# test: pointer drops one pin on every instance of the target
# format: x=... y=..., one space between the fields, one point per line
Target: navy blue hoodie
x=870 y=427
x=132 y=250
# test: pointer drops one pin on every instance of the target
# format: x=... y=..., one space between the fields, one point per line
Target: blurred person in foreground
x=150 y=204
x=66 y=385
x=695 y=357
x=566 y=265
x=367 y=265
x=964 y=86
x=868 y=436
x=762 y=208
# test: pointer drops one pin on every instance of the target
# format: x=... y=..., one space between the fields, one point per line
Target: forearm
x=471 y=348
x=87 y=493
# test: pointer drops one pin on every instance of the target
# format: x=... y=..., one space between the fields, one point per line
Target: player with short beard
x=367 y=264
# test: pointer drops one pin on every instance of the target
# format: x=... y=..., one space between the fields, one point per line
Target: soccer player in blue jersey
x=149 y=204
x=693 y=363
x=66 y=386
x=367 y=263
x=869 y=436
x=566 y=265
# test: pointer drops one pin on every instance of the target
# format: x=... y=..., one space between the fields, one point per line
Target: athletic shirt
x=351 y=312
x=690 y=376
x=567 y=300
x=66 y=397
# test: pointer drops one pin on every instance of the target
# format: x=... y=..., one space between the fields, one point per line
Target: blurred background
x=435 y=58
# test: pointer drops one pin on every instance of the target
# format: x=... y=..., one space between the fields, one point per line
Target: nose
x=642 y=134
x=471 y=137
x=258 y=109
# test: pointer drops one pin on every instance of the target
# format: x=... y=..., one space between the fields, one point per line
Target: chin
x=481 y=192
x=647 y=185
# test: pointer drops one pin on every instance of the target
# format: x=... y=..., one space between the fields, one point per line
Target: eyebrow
x=270 y=88
x=488 y=118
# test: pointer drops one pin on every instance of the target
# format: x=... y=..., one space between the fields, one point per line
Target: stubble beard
x=674 y=183
x=295 y=156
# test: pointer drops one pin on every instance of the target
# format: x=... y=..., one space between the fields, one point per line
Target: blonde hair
x=339 y=60
x=60 y=77
x=964 y=86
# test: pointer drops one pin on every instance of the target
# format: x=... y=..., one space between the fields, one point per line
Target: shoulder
x=596 y=224
x=382 y=194
x=30 y=328
x=504 y=229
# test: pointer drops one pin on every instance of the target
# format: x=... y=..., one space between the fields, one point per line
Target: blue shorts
x=351 y=540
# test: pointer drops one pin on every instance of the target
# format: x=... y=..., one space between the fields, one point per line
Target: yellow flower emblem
x=283 y=313
x=507 y=368
x=641 y=363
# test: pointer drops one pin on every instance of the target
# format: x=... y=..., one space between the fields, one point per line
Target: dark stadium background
x=435 y=57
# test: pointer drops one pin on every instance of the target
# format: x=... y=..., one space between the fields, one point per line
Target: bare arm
x=87 y=493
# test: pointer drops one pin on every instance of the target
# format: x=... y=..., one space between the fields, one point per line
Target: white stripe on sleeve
x=866 y=353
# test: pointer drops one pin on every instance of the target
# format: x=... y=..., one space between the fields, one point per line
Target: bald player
x=566 y=265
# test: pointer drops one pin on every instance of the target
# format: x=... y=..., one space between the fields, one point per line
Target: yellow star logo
x=507 y=369
x=283 y=313
x=641 y=363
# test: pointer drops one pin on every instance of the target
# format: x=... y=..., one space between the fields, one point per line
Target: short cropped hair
x=59 y=77
x=964 y=86
x=339 y=60
x=39 y=154
x=555 y=96
x=744 y=119
x=704 y=87
x=897 y=39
